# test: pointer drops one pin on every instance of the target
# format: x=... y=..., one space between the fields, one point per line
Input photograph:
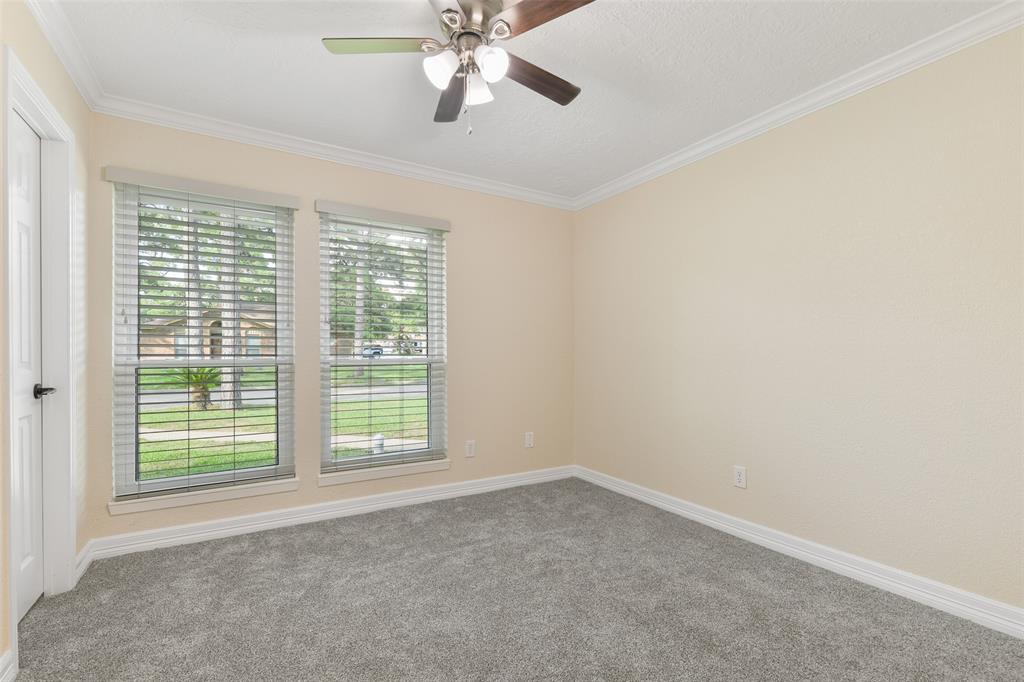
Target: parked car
x=372 y=351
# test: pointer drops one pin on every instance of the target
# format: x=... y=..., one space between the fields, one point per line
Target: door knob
x=38 y=391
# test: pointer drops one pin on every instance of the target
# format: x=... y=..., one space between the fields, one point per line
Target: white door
x=26 y=360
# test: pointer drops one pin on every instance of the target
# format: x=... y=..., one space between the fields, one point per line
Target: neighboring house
x=169 y=335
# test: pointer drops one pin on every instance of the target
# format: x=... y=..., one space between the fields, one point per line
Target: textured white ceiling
x=657 y=75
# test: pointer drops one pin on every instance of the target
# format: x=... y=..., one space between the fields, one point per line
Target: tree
x=379 y=294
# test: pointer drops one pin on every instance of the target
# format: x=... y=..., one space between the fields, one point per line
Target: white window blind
x=195 y=404
x=383 y=355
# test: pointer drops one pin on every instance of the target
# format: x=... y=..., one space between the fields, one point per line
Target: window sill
x=202 y=496
x=387 y=471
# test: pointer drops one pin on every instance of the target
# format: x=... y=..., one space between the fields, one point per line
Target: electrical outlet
x=528 y=440
x=739 y=476
x=470 y=448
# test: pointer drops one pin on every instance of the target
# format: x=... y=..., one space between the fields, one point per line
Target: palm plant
x=200 y=382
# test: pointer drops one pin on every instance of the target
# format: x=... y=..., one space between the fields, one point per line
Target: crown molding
x=996 y=20
x=235 y=132
x=57 y=30
x=971 y=31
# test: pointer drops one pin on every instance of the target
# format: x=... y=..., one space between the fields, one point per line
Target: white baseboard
x=8 y=666
x=982 y=610
x=114 y=545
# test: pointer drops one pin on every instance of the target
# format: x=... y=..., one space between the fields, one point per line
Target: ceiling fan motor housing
x=465 y=44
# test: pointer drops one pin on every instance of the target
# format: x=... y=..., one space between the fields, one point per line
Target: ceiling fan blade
x=376 y=45
x=450 y=105
x=527 y=14
x=541 y=81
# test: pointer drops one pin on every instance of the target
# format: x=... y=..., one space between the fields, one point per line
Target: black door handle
x=38 y=391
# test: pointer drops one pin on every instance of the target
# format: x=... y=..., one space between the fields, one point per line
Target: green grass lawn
x=378 y=375
x=400 y=418
x=391 y=418
x=182 y=417
x=162 y=460
x=345 y=453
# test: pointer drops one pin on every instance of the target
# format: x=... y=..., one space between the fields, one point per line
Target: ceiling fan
x=463 y=65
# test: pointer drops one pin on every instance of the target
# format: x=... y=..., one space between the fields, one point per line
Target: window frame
x=436 y=360
x=127 y=483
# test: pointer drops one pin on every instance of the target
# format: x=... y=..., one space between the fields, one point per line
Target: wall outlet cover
x=739 y=476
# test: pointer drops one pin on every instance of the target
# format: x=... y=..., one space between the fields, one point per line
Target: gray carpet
x=559 y=581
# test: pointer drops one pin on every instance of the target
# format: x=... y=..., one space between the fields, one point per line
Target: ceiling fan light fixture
x=440 y=68
x=492 y=61
x=477 y=90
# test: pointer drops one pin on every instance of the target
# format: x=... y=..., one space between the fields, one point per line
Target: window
x=194 y=405
x=253 y=344
x=180 y=345
x=383 y=357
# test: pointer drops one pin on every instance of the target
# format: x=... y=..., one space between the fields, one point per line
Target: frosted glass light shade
x=478 y=93
x=492 y=61
x=440 y=68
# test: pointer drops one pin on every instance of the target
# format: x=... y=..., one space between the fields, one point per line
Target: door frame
x=62 y=322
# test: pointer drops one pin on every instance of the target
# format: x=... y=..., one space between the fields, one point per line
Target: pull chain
x=469 y=115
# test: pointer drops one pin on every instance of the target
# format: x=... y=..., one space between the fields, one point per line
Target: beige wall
x=837 y=305
x=509 y=315
x=19 y=31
